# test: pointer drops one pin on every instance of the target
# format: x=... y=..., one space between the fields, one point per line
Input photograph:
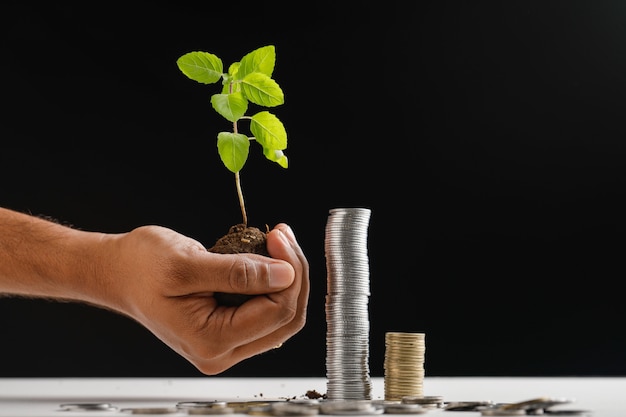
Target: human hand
x=167 y=281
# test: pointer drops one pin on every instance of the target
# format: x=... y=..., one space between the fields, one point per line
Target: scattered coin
x=405 y=409
x=468 y=405
x=502 y=412
x=201 y=404
x=565 y=412
x=150 y=410
x=428 y=401
x=535 y=406
x=539 y=404
x=88 y=407
x=260 y=410
x=293 y=409
x=210 y=410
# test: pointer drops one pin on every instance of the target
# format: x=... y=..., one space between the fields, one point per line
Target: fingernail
x=281 y=275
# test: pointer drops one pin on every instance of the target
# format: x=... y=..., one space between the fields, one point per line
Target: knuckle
x=289 y=315
x=241 y=276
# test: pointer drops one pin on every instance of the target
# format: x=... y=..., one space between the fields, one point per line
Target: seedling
x=247 y=81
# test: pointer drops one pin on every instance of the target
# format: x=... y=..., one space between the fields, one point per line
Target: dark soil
x=239 y=239
x=314 y=395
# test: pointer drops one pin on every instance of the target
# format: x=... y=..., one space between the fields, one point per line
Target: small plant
x=247 y=81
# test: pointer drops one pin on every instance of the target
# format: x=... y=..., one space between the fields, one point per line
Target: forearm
x=40 y=258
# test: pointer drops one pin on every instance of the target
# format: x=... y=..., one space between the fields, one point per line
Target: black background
x=487 y=137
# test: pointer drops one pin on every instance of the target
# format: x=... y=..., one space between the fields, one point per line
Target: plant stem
x=241 y=202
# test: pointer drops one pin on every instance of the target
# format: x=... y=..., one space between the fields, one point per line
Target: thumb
x=244 y=273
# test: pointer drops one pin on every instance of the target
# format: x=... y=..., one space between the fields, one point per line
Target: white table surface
x=30 y=397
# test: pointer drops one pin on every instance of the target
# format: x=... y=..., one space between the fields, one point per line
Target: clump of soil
x=239 y=239
x=242 y=239
x=314 y=395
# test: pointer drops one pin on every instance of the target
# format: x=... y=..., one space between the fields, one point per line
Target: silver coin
x=350 y=407
x=467 y=405
x=292 y=409
x=423 y=399
x=88 y=407
x=210 y=410
x=259 y=410
x=246 y=406
x=372 y=411
x=540 y=403
x=568 y=412
x=502 y=412
x=405 y=409
x=150 y=410
x=201 y=404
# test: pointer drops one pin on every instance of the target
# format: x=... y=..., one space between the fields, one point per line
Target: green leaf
x=230 y=84
x=233 y=69
x=262 y=90
x=260 y=60
x=202 y=67
x=276 y=155
x=233 y=149
x=269 y=131
x=230 y=106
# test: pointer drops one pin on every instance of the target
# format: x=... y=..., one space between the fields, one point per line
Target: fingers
x=295 y=256
x=263 y=322
x=285 y=311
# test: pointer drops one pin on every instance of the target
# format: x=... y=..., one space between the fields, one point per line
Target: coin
x=150 y=410
x=293 y=409
x=88 y=407
x=350 y=407
x=201 y=404
x=210 y=410
x=540 y=403
x=405 y=409
x=259 y=410
x=468 y=405
x=502 y=412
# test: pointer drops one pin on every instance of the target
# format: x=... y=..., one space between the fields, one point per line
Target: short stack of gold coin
x=404 y=365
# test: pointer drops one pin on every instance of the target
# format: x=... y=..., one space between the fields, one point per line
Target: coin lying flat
x=540 y=403
x=201 y=404
x=88 y=407
x=260 y=410
x=246 y=406
x=205 y=411
x=468 y=405
x=426 y=401
x=568 y=412
x=150 y=410
x=503 y=412
x=293 y=409
x=405 y=409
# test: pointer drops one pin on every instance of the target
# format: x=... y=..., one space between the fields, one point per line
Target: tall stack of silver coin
x=404 y=365
x=347 y=298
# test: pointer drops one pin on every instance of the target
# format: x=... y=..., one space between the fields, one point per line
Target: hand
x=166 y=282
